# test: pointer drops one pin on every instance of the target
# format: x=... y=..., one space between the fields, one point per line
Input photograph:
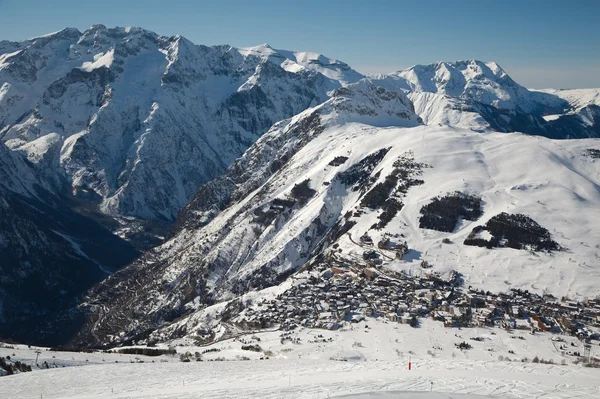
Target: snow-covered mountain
x=360 y=163
x=135 y=122
x=263 y=160
x=482 y=96
x=481 y=82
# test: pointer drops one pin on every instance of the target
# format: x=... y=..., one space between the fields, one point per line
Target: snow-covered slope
x=267 y=156
x=482 y=96
x=364 y=363
x=135 y=122
x=295 y=194
x=482 y=82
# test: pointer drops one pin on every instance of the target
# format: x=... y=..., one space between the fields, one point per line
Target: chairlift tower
x=587 y=351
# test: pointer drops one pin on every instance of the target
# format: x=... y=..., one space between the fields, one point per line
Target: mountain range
x=146 y=178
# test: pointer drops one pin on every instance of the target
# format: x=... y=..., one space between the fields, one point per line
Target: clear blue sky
x=545 y=43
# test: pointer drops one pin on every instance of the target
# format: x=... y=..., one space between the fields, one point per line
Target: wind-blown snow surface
x=371 y=362
x=304 y=380
x=216 y=256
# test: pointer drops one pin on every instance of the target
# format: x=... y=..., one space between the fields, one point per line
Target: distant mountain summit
x=482 y=82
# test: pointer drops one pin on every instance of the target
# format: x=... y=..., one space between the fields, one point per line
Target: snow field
x=355 y=360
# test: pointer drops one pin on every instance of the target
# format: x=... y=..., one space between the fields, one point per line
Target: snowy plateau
x=178 y=220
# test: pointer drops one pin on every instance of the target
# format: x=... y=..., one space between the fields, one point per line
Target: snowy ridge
x=306 y=61
x=121 y=104
x=264 y=233
x=577 y=98
x=484 y=82
x=481 y=96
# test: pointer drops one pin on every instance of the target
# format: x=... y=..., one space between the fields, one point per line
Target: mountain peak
x=482 y=82
x=261 y=49
x=366 y=102
x=66 y=33
x=96 y=27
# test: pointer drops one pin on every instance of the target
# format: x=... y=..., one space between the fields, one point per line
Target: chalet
x=392 y=317
x=366 y=239
x=477 y=302
x=480 y=320
x=406 y=318
x=385 y=244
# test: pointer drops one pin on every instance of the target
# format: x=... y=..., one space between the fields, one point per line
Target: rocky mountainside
x=257 y=239
x=134 y=122
x=49 y=253
x=360 y=164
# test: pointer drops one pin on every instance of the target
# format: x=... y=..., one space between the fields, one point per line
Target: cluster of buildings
x=327 y=296
x=338 y=292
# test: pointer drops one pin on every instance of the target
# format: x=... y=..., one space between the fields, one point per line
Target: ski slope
x=305 y=379
x=370 y=361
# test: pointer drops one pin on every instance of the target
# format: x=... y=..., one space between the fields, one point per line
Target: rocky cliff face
x=134 y=122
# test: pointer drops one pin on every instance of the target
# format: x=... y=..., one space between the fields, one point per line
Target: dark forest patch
x=513 y=231
x=302 y=192
x=299 y=195
x=358 y=176
x=443 y=213
x=388 y=194
x=337 y=161
x=592 y=153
